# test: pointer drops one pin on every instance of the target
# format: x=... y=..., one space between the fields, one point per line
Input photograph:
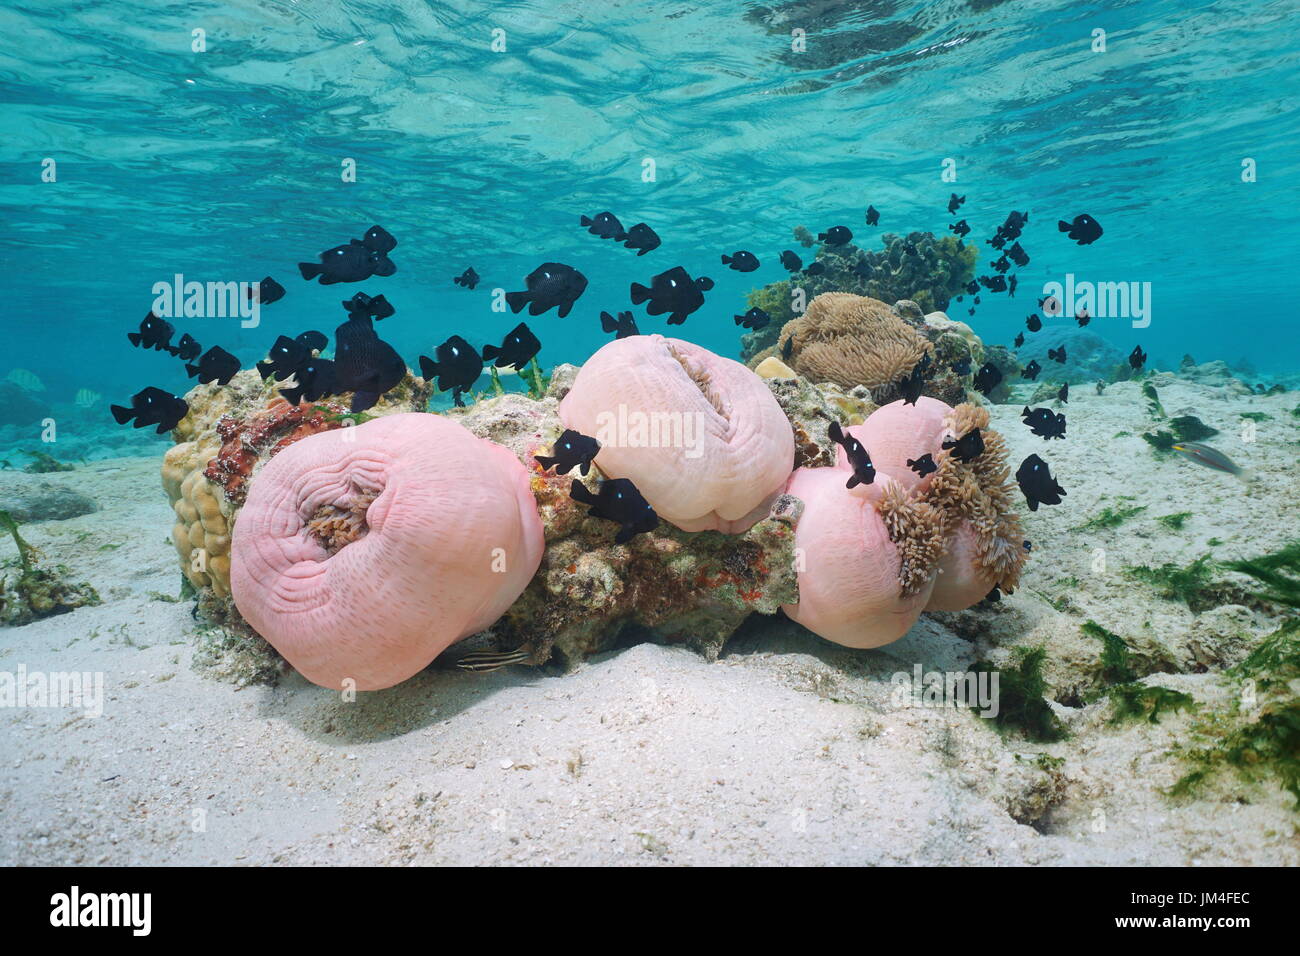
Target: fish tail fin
x=607 y=323
x=853 y=482
x=134 y=337
x=516 y=300
x=821 y=237
x=191 y=370
x=292 y=395
x=835 y=432
x=625 y=534
x=490 y=352
x=363 y=400
x=726 y=259
x=584 y=221
x=122 y=415
x=264 y=370
x=740 y=319
x=428 y=368
x=1247 y=475
x=579 y=493
x=309 y=270
x=639 y=293
x=1062 y=226
x=545 y=461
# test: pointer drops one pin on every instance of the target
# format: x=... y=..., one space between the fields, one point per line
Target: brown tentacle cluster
x=335 y=525
x=919 y=530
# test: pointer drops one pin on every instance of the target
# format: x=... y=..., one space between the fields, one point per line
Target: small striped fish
x=481 y=662
x=1210 y=458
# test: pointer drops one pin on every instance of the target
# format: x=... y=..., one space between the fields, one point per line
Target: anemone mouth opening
x=336 y=524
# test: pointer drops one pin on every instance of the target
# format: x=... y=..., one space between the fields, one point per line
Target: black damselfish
x=836 y=235
x=155 y=333
x=641 y=238
x=604 y=224
x=1137 y=358
x=623 y=326
x=619 y=501
x=152 y=406
x=987 y=378
x=1031 y=370
x=313 y=380
x=1083 y=229
x=457 y=367
x=267 y=291
x=285 y=356
x=1037 y=484
x=864 y=473
x=1043 y=422
x=1057 y=355
x=966 y=448
x=754 y=319
x=873 y=216
x=674 y=292
x=741 y=261
x=572 y=450
x=362 y=305
x=187 y=349
x=790 y=261
x=924 y=465
x=364 y=364
x=216 y=365
x=954 y=203
x=915 y=380
x=467 y=279
x=358 y=260
x=312 y=340
x=550 y=285
x=517 y=349
x=1033 y=323
x=961 y=228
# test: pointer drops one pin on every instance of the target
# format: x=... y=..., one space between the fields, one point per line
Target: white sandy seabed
x=788 y=750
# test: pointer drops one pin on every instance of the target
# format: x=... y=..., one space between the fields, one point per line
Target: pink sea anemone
x=362 y=553
x=700 y=436
x=896 y=433
x=849 y=578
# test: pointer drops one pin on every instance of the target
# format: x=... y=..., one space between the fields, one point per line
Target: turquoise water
x=226 y=164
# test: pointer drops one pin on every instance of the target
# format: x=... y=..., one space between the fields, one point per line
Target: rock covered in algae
x=29 y=590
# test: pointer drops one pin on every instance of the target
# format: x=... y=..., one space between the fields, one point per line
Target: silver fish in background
x=1210 y=458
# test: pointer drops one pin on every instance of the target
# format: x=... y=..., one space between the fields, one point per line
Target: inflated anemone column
x=362 y=553
x=700 y=436
x=875 y=556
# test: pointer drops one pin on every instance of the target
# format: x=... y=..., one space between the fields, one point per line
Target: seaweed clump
x=1190 y=584
x=1022 y=701
x=1121 y=683
x=36 y=592
x=43 y=463
x=1258 y=736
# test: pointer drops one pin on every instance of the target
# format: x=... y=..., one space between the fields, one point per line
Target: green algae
x=1109 y=518
x=1174 y=522
x=1190 y=584
x=1022 y=702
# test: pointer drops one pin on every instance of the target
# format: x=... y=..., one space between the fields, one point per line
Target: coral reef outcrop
x=854 y=565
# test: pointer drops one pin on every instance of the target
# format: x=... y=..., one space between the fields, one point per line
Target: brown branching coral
x=852 y=340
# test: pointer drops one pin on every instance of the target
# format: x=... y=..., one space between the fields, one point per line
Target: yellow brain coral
x=851 y=340
x=201 y=531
